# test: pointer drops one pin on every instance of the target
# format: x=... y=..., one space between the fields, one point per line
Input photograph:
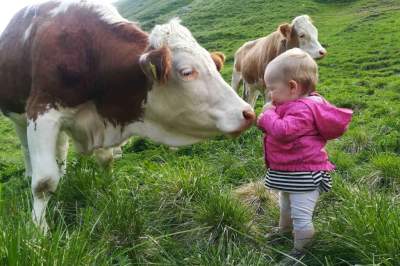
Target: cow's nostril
x=249 y=115
x=323 y=53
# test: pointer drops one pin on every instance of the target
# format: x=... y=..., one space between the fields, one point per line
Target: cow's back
x=252 y=58
x=52 y=57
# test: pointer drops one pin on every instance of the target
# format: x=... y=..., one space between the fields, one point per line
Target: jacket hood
x=331 y=121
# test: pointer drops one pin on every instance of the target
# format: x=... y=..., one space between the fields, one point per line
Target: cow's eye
x=302 y=35
x=188 y=74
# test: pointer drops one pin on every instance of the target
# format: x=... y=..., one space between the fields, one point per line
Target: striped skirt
x=299 y=182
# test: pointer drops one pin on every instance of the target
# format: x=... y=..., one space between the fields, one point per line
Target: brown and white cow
x=253 y=57
x=77 y=68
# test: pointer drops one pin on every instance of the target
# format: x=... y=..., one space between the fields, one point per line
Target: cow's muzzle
x=249 y=119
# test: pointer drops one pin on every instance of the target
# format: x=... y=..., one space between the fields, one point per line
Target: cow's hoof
x=117 y=153
x=41 y=225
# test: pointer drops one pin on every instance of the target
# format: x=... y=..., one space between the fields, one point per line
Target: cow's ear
x=219 y=60
x=156 y=64
x=285 y=30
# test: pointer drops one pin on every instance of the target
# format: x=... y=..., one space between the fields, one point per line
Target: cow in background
x=253 y=57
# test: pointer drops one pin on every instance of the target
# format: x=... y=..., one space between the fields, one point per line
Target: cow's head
x=189 y=99
x=303 y=34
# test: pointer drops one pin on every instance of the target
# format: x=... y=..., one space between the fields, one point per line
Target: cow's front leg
x=267 y=103
x=236 y=78
x=267 y=97
x=43 y=133
x=245 y=91
x=253 y=94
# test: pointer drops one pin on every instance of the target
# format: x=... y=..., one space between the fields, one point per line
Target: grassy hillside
x=177 y=207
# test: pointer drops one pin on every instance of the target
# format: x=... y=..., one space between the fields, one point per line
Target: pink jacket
x=296 y=133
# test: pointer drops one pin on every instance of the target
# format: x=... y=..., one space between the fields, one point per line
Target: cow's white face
x=194 y=102
x=307 y=35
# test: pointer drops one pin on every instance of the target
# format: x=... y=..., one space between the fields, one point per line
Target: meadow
x=181 y=207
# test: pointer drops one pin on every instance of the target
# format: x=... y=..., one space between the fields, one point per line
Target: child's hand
x=259 y=118
x=266 y=107
x=258 y=122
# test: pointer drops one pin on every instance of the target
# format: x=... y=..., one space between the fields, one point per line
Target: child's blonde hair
x=294 y=64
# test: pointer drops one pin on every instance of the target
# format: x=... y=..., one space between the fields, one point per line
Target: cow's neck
x=153 y=130
x=154 y=124
x=122 y=85
x=90 y=130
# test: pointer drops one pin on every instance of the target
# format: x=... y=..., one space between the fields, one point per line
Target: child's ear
x=293 y=85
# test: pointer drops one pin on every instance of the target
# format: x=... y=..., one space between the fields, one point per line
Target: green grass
x=177 y=207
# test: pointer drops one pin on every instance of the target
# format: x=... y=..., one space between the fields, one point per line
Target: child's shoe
x=302 y=239
x=295 y=256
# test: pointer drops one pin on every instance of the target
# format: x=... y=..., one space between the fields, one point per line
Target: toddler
x=297 y=125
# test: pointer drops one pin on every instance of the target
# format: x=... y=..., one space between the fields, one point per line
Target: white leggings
x=300 y=207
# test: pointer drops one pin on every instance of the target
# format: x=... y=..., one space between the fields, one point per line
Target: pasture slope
x=177 y=208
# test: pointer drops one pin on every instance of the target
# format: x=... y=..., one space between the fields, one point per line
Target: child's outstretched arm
x=296 y=123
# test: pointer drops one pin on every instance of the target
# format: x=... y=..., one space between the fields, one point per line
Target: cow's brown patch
x=219 y=60
x=122 y=86
x=293 y=41
x=71 y=59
